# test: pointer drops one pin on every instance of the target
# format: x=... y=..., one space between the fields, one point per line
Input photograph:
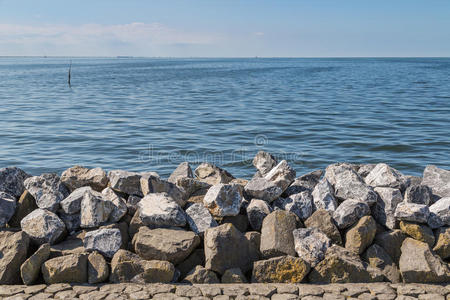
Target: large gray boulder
x=95 y=210
x=13 y=249
x=105 y=241
x=11 y=181
x=212 y=174
x=261 y=188
x=282 y=175
x=47 y=189
x=311 y=244
x=257 y=210
x=43 y=226
x=391 y=242
x=159 y=210
x=306 y=182
x=78 y=176
x=7 y=208
x=153 y=184
x=30 y=269
x=438 y=180
x=420 y=194
x=264 y=162
x=441 y=209
x=382 y=175
x=412 y=212
x=182 y=171
x=300 y=204
x=276 y=234
x=349 y=212
x=72 y=203
x=199 y=218
x=323 y=196
x=384 y=210
x=223 y=200
x=125 y=182
x=118 y=204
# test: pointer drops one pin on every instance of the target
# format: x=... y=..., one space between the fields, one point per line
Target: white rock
x=385 y=176
x=384 y=210
x=438 y=180
x=264 y=162
x=159 y=210
x=120 y=207
x=11 y=181
x=182 y=171
x=412 y=212
x=105 y=241
x=323 y=196
x=95 y=210
x=153 y=184
x=199 y=218
x=72 y=203
x=47 y=189
x=282 y=175
x=43 y=226
x=223 y=200
x=311 y=244
x=300 y=204
x=260 y=188
x=349 y=212
x=442 y=210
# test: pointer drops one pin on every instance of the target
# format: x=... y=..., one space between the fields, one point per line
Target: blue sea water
x=151 y=114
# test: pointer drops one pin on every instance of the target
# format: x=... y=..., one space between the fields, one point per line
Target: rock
x=72 y=222
x=105 y=241
x=78 y=176
x=341 y=266
x=135 y=224
x=212 y=174
x=418 y=232
x=199 y=218
x=98 y=269
x=223 y=200
x=72 y=204
x=125 y=182
x=153 y=184
x=7 y=208
x=361 y=235
x=234 y=275
x=119 y=205
x=283 y=269
x=365 y=169
x=123 y=228
x=420 y=194
x=197 y=258
x=201 y=275
x=95 y=210
x=349 y=212
x=24 y=206
x=323 y=196
x=73 y=244
x=30 y=269
x=442 y=247
x=383 y=211
x=65 y=269
x=383 y=175
x=11 y=181
x=348 y=184
x=43 y=226
x=239 y=221
x=226 y=248
x=257 y=210
x=282 y=175
x=254 y=239
x=132 y=204
x=311 y=244
x=260 y=188
x=276 y=234
x=378 y=258
x=418 y=264
x=182 y=171
x=412 y=212
x=441 y=209
x=300 y=204
x=322 y=220
x=165 y=244
x=438 y=180
x=13 y=252
x=264 y=162
x=391 y=242
x=47 y=190
x=159 y=210
x=192 y=187
x=305 y=182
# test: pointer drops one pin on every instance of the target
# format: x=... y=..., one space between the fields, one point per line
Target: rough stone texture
x=11 y=181
x=419 y=264
x=24 y=206
x=412 y=212
x=132 y=204
x=391 y=242
x=226 y=248
x=201 y=275
x=13 y=252
x=65 y=269
x=105 y=241
x=365 y=169
x=192 y=187
x=341 y=265
x=261 y=188
x=119 y=205
x=300 y=204
x=72 y=245
x=311 y=244
x=254 y=239
x=126 y=182
x=234 y=275
x=378 y=258
x=182 y=171
x=442 y=247
x=150 y=183
x=306 y=182
x=420 y=194
x=321 y=219
x=383 y=211
x=7 y=208
x=323 y=196
x=361 y=235
x=43 y=226
x=95 y=210
x=212 y=174
x=418 y=232
x=47 y=189
x=282 y=175
x=223 y=200
x=199 y=218
x=165 y=244
x=72 y=203
x=197 y=258
x=30 y=269
x=349 y=212
x=257 y=210
x=159 y=210
x=276 y=234
x=239 y=221
x=441 y=209
x=383 y=175
x=264 y=162
x=283 y=269
x=438 y=180
x=78 y=176
x=97 y=268
x=72 y=222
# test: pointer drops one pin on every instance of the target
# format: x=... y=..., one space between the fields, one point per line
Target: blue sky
x=225 y=28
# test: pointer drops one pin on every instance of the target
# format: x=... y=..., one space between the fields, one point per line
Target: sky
x=225 y=28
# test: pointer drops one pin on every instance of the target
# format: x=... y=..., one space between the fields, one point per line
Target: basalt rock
x=305 y=182
x=31 y=268
x=442 y=247
x=201 y=275
x=12 y=181
x=420 y=194
x=378 y=258
x=98 y=269
x=72 y=203
x=361 y=235
x=418 y=232
x=125 y=182
x=65 y=269
x=78 y=176
x=24 y=206
x=43 y=226
x=391 y=242
x=283 y=269
x=233 y=275
x=119 y=206
x=47 y=189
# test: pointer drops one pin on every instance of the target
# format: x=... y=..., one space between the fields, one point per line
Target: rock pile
x=346 y=224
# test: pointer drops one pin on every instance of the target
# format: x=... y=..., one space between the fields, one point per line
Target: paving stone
x=41 y=296
x=410 y=290
x=329 y=296
x=309 y=290
x=210 y=290
x=262 y=290
x=235 y=290
x=188 y=291
x=141 y=295
x=431 y=297
x=84 y=289
x=34 y=289
x=65 y=294
x=287 y=289
x=57 y=287
x=284 y=296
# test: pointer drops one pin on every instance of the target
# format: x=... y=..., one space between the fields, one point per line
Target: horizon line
x=203 y=57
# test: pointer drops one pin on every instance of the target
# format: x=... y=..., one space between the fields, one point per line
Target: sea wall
x=348 y=223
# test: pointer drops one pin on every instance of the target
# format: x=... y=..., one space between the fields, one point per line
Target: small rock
x=78 y=176
x=300 y=204
x=322 y=220
x=264 y=162
x=442 y=247
x=192 y=187
x=105 y=241
x=98 y=269
x=233 y=275
x=24 y=206
x=349 y=212
x=323 y=196
x=282 y=175
x=182 y=171
x=13 y=253
x=11 y=181
x=257 y=210
x=361 y=235
x=199 y=218
x=305 y=182
x=438 y=180
x=72 y=204
x=391 y=242
x=47 y=189
x=378 y=258
x=260 y=188
x=412 y=212
x=223 y=200
x=132 y=204
x=383 y=175
x=7 y=208
x=125 y=182
x=384 y=210
x=441 y=209
x=65 y=269
x=159 y=210
x=119 y=205
x=30 y=269
x=201 y=275
x=43 y=226
x=283 y=269
x=153 y=184
x=420 y=194
x=95 y=210
x=418 y=232
x=212 y=174
x=311 y=244
x=276 y=234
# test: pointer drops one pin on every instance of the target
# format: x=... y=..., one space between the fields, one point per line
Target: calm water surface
x=151 y=114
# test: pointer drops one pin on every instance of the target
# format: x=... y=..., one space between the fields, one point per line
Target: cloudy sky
x=225 y=28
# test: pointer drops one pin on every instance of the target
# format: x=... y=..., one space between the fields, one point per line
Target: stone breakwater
x=346 y=224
